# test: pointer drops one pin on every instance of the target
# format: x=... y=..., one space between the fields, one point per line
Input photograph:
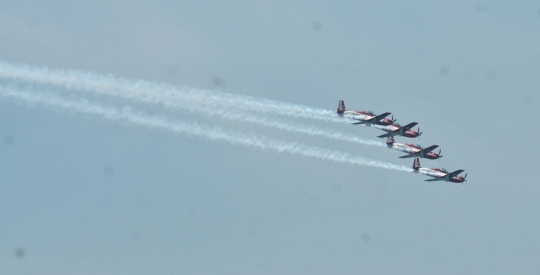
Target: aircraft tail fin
x=341 y=107
x=389 y=141
x=416 y=164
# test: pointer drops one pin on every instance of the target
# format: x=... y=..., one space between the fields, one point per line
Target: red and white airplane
x=395 y=129
x=364 y=117
x=439 y=174
x=414 y=150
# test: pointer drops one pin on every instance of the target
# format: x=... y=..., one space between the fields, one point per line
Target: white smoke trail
x=312 y=131
x=157 y=92
x=195 y=129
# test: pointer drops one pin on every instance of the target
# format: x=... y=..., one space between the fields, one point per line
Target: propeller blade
x=465 y=176
x=393 y=120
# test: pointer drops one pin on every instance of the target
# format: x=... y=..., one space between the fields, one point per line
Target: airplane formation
x=393 y=129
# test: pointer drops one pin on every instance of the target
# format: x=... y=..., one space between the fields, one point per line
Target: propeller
x=393 y=120
x=419 y=133
x=465 y=177
x=440 y=156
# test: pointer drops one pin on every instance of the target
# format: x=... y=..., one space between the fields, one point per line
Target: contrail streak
x=157 y=92
x=213 y=133
x=165 y=95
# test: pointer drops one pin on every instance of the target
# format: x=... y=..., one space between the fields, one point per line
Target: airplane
x=414 y=150
x=439 y=174
x=364 y=117
x=397 y=130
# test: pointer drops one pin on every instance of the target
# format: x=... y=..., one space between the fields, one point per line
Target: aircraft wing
x=360 y=121
x=455 y=173
x=381 y=116
x=409 y=126
x=435 y=179
x=391 y=134
x=430 y=148
x=407 y=156
x=372 y=120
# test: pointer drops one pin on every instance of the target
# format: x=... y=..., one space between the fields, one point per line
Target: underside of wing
x=435 y=179
x=391 y=134
x=359 y=122
x=407 y=156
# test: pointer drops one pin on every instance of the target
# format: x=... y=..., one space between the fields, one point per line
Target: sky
x=80 y=194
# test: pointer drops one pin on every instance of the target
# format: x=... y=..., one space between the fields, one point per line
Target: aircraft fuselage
x=392 y=128
x=364 y=116
x=440 y=175
x=413 y=150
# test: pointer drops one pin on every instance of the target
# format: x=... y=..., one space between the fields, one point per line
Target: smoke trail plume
x=192 y=101
x=213 y=133
x=157 y=92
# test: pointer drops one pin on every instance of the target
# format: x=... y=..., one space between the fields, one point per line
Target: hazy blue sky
x=82 y=195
